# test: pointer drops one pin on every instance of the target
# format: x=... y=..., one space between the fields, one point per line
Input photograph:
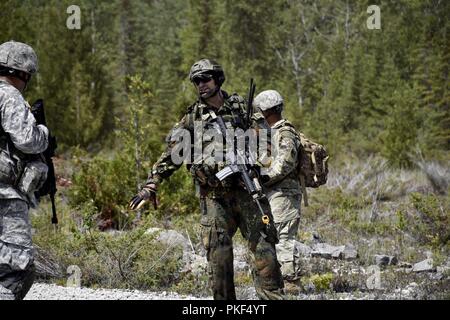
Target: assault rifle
x=49 y=187
x=238 y=164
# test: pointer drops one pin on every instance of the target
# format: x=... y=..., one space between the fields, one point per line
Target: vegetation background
x=377 y=99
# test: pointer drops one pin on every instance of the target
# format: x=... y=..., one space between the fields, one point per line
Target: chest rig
x=205 y=166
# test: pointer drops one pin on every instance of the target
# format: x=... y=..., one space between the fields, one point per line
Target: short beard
x=210 y=93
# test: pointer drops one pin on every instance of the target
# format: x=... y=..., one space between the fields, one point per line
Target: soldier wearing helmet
x=225 y=205
x=18 y=62
x=21 y=169
x=281 y=182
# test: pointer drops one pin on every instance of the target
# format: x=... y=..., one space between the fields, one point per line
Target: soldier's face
x=206 y=87
x=266 y=113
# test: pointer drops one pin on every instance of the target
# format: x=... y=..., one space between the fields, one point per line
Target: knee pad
x=266 y=267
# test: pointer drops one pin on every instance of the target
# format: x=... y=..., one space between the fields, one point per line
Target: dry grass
x=382 y=210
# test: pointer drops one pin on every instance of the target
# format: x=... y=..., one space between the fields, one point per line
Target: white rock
x=302 y=249
x=350 y=252
x=424 y=266
x=170 y=238
x=327 y=251
x=194 y=263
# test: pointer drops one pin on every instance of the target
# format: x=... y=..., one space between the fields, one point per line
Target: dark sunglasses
x=202 y=78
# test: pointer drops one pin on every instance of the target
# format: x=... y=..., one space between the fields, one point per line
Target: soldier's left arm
x=285 y=158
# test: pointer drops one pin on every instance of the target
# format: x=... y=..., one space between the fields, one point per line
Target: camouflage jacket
x=282 y=172
x=198 y=122
x=19 y=124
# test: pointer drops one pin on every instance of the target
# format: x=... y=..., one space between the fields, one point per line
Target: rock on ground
x=170 y=238
x=424 y=266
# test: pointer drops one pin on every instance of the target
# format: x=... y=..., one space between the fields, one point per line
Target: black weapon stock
x=49 y=187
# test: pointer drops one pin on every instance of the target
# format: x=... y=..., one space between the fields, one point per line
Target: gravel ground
x=42 y=291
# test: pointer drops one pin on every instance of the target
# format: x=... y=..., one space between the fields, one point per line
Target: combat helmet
x=17 y=58
x=207 y=67
x=269 y=99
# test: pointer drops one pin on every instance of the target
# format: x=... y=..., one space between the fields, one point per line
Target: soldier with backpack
x=281 y=182
x=296 y=163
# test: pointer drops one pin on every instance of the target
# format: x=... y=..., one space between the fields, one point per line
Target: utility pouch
x=33 y=177
x=7 y=174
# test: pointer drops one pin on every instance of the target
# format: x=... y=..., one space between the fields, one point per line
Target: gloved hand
x=147 y=193
x=255 y=172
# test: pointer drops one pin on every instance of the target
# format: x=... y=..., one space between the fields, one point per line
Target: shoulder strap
x=290 y=128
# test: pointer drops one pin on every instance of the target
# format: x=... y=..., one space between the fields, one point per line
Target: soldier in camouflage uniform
x=20 y=138
x=225 y=206
x=280 y=178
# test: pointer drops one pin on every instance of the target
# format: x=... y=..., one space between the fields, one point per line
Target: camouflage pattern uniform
x=225 y=207
x=284 y=193
x=20 y=136
x=281 y=181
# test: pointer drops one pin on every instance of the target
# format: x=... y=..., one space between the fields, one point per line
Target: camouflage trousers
x=16 y=250
x=287 y=235
x=221 y=217
x=286 y=205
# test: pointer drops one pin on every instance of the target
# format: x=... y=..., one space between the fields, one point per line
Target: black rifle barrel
x=251 y=93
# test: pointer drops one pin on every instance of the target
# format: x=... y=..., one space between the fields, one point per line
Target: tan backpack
x=312 y=168
x=313 y=165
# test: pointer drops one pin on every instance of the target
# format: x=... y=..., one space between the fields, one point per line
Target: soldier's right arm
x=19 y=123
x=166 y=166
